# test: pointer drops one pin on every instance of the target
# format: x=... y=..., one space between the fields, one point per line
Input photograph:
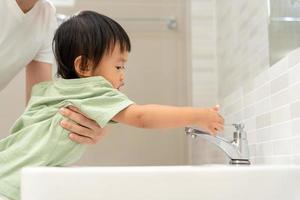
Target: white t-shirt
x=24 y=37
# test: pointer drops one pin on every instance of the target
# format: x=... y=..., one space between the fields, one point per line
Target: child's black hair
x=90 y=35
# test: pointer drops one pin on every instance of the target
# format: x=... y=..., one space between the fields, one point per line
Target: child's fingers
x=217 y=107
x=219 y=127
x=213 y=131
x=221 y=119
x=216 y=128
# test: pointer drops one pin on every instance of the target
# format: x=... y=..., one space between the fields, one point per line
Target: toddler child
x=91 y=51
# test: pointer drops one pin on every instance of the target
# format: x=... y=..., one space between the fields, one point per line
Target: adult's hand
x=82 y=129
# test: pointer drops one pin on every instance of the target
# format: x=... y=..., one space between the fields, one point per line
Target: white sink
x=164 y=183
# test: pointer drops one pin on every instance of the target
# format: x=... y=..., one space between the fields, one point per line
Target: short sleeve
x=103 y=107
x=45 y=53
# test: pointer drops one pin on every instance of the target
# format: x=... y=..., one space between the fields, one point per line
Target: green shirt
x=37 y=139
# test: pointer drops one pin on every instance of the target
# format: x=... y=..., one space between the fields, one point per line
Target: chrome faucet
x=237 y=149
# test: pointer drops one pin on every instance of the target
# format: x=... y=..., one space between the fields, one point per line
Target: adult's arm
x=36 y=72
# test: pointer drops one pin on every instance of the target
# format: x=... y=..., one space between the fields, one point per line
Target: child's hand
x=211 y=121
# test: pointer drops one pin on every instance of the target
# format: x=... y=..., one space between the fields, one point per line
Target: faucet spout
x=236 y=150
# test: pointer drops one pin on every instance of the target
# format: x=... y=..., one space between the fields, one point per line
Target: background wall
x=12 y=103
x=234 y=33
x=265 y=98
x=270 y=110
x=242 y=42
x=229 y=46
x=204 y=74
x=203 y=44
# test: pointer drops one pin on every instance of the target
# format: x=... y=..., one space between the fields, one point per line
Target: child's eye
x=120 y=67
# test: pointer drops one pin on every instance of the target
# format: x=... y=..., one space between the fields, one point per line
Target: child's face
x=112 y=67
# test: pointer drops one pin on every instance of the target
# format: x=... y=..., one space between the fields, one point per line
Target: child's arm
x=158 y=116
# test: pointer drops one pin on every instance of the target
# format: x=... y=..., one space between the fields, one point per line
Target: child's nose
x=122 y=77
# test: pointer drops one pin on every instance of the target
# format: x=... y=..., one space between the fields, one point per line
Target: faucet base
x=239 y=162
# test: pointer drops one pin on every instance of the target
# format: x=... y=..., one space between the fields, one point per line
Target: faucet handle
x=239 y=127
x=239 y=131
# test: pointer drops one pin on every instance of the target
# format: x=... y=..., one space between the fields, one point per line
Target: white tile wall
x=203 y=40
x=242 y=42
x=266 y=99
x=271 y=112
x=204 y=74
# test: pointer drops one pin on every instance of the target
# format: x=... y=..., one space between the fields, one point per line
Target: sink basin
x=162 y=183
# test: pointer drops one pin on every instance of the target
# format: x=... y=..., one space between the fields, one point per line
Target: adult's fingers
x=78 y=117
x=81 y=139
x=72 y=126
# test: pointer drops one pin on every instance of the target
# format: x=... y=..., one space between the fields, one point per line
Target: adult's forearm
x=36 y=72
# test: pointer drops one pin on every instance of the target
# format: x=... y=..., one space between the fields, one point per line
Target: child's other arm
x=159 y=116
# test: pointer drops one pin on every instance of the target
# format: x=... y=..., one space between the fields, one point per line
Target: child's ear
x=80 y=70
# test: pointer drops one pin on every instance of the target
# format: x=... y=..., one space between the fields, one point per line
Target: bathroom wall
x=204 y=74
x=203 y=44
x=266 y=98
x=269 y=106
x=242 y=42
x=229 y=45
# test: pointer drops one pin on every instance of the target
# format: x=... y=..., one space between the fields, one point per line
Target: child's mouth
x=120 y=86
